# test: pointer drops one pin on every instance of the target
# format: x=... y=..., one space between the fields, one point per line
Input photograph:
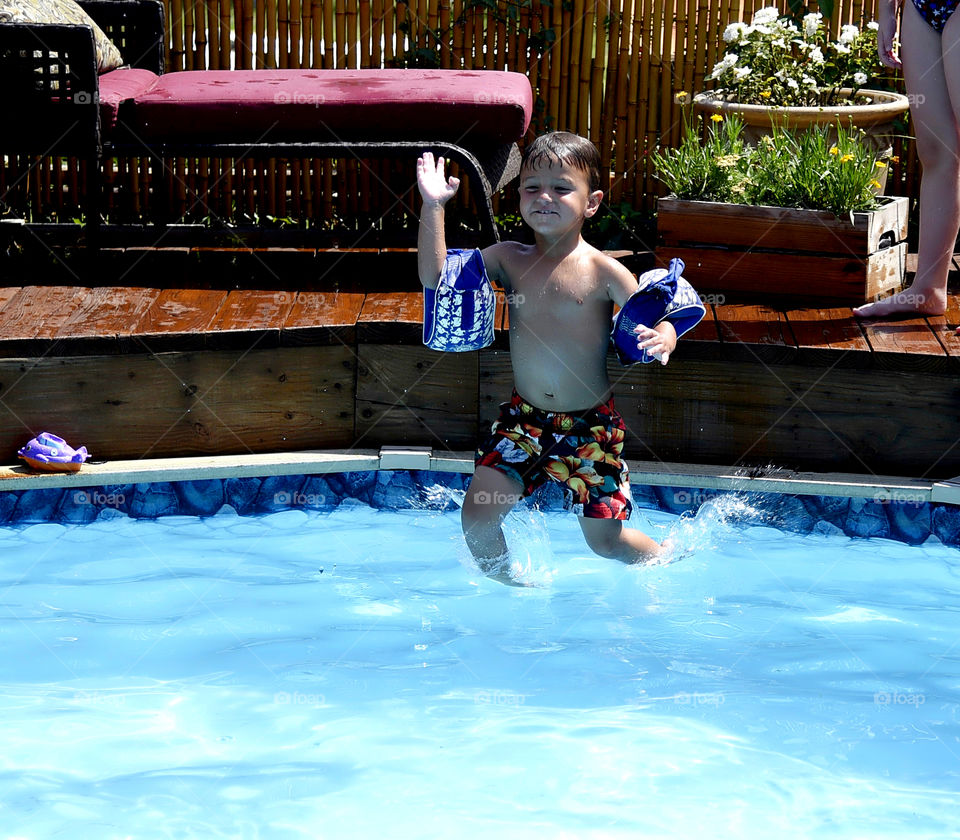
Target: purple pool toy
x=53 y=454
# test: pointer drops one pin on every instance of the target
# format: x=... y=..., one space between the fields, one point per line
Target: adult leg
x=609 y=538
x=931 y=64
x=490 y=497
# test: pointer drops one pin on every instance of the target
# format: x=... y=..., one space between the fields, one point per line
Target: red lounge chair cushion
x=243 y=106
x=118 y=86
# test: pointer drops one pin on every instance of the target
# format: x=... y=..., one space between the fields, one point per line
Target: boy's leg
x=609 y=538
x=490 y=497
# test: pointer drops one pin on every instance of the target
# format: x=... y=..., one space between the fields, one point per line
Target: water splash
x=438 y=497
x=713 y=523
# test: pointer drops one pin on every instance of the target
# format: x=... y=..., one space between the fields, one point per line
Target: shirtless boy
x=561 y=292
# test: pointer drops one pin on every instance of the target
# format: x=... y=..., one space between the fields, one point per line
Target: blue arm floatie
x=458 y=314
x=663 y=295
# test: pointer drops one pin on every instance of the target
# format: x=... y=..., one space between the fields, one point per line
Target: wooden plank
x=7 y=293
x=160 y=265
x=145 y=405
x=34 y=316
x=178 y=319
x=322 y=318
x=772 y=276
x=703 y=341
x=495 y=385
x=734 y=225
x=793 y=416
x=414 y=395
x=905 y=344
x=349 y=269
x=945 y=329
x=393 y=270
x=829 y=337
x=391 y=318
x=754 y=332
x=106 y=313
x=253 y=268
x=250 y=318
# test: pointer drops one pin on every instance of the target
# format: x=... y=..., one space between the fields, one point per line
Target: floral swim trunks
x=581 y=452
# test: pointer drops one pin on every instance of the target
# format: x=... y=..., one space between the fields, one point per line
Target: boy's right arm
x=436 y=191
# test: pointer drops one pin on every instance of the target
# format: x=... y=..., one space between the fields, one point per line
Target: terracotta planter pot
x=766 y=253
x=876 y=118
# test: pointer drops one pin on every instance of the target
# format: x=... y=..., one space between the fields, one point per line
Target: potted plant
x=797 y=214
x=776 y=72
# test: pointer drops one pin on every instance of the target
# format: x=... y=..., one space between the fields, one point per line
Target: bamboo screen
x=607 y=69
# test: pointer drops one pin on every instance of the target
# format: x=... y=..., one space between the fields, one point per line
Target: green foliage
x=619 y=227
x=805 y=169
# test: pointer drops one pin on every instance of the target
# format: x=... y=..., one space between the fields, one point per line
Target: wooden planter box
x=770 y=252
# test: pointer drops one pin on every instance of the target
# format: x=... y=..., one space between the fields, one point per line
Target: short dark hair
x=564 y=147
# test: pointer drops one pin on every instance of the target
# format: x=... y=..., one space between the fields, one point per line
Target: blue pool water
x=314 y=675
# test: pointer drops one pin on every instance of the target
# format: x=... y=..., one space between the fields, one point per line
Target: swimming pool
x=349 y=674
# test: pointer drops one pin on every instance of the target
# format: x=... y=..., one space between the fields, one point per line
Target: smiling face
x=555 y=197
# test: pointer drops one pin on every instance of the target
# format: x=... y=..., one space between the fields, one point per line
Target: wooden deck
x=193 y=353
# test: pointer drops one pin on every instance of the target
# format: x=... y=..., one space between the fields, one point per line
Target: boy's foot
x=904 y=303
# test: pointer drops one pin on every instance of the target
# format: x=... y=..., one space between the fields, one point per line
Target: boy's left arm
x=659 y=341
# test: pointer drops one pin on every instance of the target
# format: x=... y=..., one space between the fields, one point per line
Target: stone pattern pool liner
x=911 y=522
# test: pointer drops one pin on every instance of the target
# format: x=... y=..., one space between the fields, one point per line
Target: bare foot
x=907 y=302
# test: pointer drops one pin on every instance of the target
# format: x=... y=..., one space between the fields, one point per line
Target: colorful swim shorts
x=581 y=452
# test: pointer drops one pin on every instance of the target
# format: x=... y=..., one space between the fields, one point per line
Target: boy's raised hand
x=430 y=178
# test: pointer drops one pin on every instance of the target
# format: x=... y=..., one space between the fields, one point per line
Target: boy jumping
x=561 y=292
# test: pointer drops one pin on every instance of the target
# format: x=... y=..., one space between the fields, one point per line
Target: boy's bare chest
x=557 y=291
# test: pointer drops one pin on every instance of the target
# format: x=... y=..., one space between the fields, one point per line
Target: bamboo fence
x=607 y=69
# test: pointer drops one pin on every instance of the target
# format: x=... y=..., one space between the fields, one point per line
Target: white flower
x=740 y=73
x=842 y=49
x=811 y=23
x=723 y=65
x=766 y=15
x=792 y=83
x=873 y=25
x=859 y=79
x=734 y=32
x=848 y=33
x=809 y=82
x=816 y=55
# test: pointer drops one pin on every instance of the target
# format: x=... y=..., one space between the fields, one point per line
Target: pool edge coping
x=320 y=462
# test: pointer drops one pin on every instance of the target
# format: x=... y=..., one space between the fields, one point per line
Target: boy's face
x=557 y=198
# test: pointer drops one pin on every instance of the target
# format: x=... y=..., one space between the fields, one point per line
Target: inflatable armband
x=458 y=314
x=663 y=295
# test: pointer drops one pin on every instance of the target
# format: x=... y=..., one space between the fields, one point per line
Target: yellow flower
x=681 y=97
x=717 y=118
x=894 y=159
x=875 y=184
x=834 y=150
x=881 y=165
x=766 y=94
x=846 y=158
